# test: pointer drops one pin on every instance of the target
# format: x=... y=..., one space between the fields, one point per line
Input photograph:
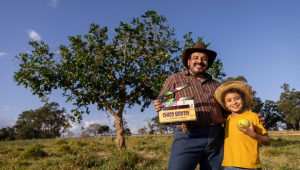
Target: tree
x=150 y=126
x=93 y=128
x=103 y=129
x=161 y=128
x=70 y=134
x=45 y=122
x=128 y=70
x=256 y=105
x=273 y=118
x=82 y=131
x=66 y=128
x=7 y=134
x=289 y=105
x=142 y=130
x=127 y=132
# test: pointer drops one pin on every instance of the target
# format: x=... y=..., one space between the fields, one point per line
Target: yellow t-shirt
x=240 y=150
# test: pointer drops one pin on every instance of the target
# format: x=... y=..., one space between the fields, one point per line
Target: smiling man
x=200 y=141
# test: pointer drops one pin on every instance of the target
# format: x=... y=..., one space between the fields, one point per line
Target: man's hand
x=261 y=118
x=158 y=105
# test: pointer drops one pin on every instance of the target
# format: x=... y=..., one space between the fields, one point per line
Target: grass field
x=142 y=153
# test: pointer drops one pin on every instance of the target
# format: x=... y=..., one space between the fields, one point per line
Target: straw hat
x=198 y=48
x=245 y=88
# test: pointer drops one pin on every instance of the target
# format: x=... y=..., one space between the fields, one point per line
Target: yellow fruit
x=75 y=113
x=245 y=122
x=132 y=52
x=166 y=55
x=38 y=64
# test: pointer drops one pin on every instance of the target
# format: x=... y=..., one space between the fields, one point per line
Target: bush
x=60 y=142
x=65 y=149
x=34 y=151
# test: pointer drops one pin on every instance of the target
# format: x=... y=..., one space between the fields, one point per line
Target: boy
x=241 y=143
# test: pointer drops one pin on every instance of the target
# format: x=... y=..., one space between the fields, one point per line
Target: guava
x=245 y=122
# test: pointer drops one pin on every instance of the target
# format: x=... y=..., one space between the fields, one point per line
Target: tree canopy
x=45 y=122
x=127 y=69
x=289 y=105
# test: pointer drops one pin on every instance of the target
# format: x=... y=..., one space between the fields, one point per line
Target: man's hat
x=198 y=48
x=245 y=88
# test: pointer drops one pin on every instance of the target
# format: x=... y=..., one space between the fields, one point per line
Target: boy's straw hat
x=245 y=88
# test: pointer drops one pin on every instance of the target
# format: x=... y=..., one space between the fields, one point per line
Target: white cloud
x=5 y=108
x=128 y=116
x=10 y=123
x=2 y=54
x=133 y=129
x=53 y=3
x=35 y=36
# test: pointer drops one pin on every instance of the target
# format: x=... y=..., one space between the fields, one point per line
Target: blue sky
x=259 y=40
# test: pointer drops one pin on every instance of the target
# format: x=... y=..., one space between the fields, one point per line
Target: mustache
x=200 y=64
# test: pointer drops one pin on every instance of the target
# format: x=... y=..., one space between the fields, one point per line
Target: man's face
x=198 y=63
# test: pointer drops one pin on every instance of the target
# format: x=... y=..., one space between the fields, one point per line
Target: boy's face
x=234 y=102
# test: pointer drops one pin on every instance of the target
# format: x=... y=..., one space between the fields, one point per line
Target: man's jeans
x=200 y=144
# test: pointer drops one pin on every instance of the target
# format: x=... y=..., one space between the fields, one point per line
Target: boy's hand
x=247 y=130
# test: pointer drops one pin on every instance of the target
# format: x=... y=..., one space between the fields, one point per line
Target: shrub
x=60 y=142
x=34 y=151
x=124 y=160
x=84 y=160
x=65 y=149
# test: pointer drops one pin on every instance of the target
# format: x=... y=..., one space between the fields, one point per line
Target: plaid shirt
x=207 y=108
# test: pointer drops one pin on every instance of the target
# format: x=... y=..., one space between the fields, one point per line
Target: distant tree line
x=48 y=122
x=45 y=122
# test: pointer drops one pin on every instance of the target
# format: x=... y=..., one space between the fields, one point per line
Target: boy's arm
x=262 y=139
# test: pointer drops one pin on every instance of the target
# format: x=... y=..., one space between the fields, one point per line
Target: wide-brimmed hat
x=198 y=48
x=245 y=88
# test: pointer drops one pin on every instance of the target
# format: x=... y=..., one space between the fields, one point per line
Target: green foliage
x=65 y=149
x=273 y=118
x=289 y=105
x=7 y=134
x=125 y=160
x=60 y=142
x=113 y=73
x=141 y=153
x=34 y=151
x=142 y=130
x=45 y=122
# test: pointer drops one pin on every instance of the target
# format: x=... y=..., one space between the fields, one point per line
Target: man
x=201 y=141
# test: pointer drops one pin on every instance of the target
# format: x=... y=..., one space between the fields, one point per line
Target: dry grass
x=141 y=153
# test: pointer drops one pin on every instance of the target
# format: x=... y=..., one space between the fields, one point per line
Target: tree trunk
x=294 y=125
x=120 y=140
